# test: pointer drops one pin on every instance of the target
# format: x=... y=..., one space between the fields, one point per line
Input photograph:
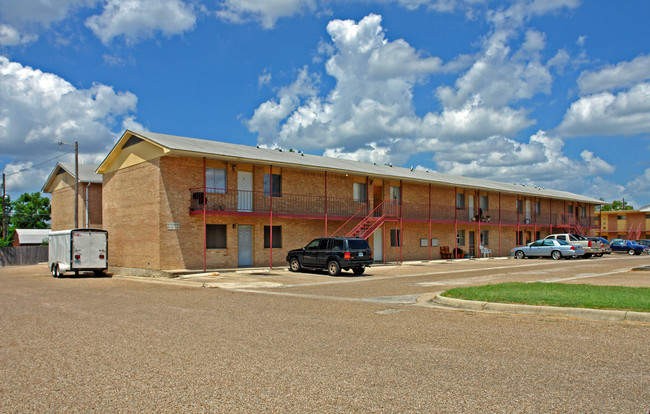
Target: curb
x=582 y=313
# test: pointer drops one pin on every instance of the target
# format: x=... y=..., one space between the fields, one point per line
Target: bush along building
x=172 y=202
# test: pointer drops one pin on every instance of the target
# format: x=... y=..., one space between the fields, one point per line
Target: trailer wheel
x=55 y=270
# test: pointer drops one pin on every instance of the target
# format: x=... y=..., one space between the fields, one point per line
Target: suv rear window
x=338 y=245
x=359 y=244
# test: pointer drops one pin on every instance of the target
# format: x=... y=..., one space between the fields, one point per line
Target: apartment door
x=378 y=244
x=470 y=206
x=378 y=197
x=245 y=191
x=245 y=244
x=472 y=243
x=527 y=211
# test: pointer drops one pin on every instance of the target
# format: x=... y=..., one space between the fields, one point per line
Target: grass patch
x=559 y=294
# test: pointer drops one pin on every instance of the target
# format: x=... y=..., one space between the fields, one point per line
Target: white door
x=470 y=208
x=245 y=191
x=378 y=244
x=245 y=245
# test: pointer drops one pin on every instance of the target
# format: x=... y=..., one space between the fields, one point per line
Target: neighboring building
x=625 y=224
x=181 y=203
x=61 y=183
x=30 y=237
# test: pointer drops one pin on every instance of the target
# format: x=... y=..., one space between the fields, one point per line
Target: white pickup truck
x=591 y=248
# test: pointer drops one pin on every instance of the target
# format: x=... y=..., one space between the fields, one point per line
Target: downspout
x=205 y=199
x=480 y=216
x=87 y=219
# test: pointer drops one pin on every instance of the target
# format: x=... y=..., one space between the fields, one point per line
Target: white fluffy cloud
x=38 y=109
x=540 y=161
x=606 y=113
x=612 y=77
x=138 y=19
x=373 y=98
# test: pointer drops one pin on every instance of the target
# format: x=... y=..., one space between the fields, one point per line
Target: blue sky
x=554 y=93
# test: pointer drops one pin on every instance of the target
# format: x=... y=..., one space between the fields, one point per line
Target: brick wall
x=131 y=215
x=147 y=214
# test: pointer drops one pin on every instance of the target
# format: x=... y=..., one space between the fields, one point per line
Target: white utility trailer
x=78 y=250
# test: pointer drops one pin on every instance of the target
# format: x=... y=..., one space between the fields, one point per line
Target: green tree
x=617 y=206
x=30 y=211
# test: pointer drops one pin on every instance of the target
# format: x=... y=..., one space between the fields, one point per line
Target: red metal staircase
x=374 y=220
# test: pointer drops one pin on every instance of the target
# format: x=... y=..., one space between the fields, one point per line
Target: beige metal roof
x=275 y=157
x=87 y=173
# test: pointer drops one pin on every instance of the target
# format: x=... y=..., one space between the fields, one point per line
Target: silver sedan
x=553 y=248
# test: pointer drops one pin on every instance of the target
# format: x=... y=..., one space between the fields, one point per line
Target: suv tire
x=333 y=268
x=294 y=265
x=359 y=270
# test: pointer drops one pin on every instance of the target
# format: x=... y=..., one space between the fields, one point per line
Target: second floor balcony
x=241 y=202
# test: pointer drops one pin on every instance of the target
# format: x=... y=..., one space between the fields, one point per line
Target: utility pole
x=76 y=183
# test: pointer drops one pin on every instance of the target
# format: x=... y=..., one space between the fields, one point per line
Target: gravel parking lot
x=284 y=342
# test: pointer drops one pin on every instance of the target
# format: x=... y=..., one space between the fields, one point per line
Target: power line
x=38 y=165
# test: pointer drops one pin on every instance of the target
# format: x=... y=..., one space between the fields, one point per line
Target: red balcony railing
x=228 y=200
x=242 y=201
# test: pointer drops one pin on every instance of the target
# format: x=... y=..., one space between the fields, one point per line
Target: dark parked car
x=628 y=246
x=333 y=254
x=643 y=242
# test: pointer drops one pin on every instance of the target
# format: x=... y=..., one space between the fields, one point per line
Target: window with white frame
x=394 y=193
x=484 y=204
x=485 y=241
x=215 y=180
x=460 y=237
x=276 y=182
x=360 y=192
x=460 y=201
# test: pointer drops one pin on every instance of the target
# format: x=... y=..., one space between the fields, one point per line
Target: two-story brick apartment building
x=181 y=203
x=625 y=224
x=61 y=183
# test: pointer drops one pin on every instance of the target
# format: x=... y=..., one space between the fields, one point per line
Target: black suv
x=333 y=254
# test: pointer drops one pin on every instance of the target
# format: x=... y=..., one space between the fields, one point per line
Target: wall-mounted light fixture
x=234 y=167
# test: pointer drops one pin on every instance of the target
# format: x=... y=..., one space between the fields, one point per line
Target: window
x=583 y=212
x=215 y=236
x=569 y=209
x=394 y=193
x=620 y=217
x=520 y=206
x=647 y=216
x=484 y=203
x=277 y=185
x=538 y=235
x=395 y=238
x=215 y=180
x=460 y=201
x=360 y=192
x=538 y=208
x=460 y=237
x=519 y=236
x=338 y=245
x=424 y=242
x=562 y=237
x=485 y=240
x=277 y=237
